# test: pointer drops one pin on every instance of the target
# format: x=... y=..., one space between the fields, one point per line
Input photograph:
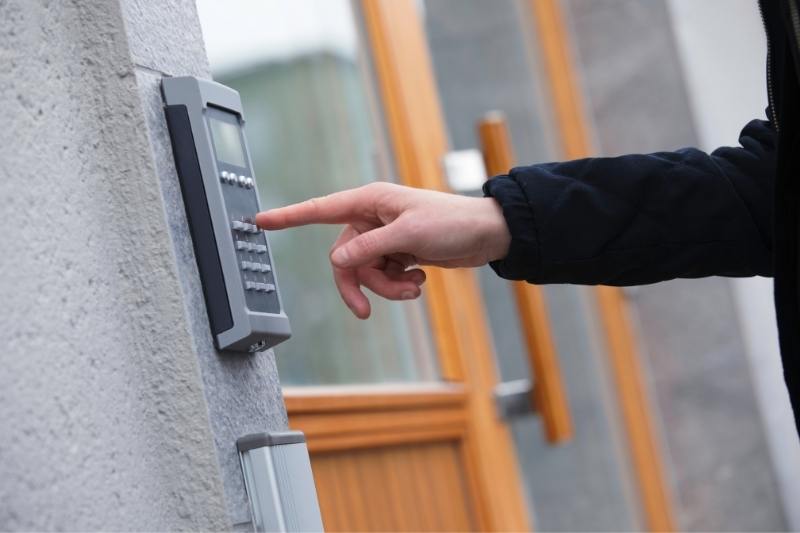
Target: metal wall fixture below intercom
x=279 y=482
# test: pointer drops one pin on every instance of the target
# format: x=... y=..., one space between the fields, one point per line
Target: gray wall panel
x=700 y=380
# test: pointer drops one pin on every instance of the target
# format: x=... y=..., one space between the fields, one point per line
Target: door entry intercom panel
x=221 y=198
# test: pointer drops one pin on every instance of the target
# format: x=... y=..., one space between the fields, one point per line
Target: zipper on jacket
x=770 y=91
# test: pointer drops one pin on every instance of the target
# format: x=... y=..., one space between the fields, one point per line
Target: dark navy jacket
x=640 y=219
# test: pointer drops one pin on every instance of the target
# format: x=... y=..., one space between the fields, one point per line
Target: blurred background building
x=656 y=408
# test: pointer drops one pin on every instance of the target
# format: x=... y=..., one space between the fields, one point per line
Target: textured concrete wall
x=242 y=391
x=115 y=410
x=702 y=389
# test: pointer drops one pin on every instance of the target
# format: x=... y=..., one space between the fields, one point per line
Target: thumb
x=373 y=244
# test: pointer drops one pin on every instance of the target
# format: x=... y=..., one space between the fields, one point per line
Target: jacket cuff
x=523 y=259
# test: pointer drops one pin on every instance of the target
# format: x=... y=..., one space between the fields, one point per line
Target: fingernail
x=340 y=257
x=407 y=295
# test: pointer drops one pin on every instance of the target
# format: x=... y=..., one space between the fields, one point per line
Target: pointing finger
x=336 y=208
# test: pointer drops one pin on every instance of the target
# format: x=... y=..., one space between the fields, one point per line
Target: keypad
x=253 y=256
x=246 y=227
x=258 y=286
x=251 y=266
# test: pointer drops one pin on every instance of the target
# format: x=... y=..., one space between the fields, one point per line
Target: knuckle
x=366 y=244
x=382 y=189
x=414 y=229
x=313 y=205
x=377 y=186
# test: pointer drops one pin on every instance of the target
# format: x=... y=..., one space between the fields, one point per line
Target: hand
x=389 y=229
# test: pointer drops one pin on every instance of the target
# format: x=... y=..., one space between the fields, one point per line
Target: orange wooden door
x=425 y=456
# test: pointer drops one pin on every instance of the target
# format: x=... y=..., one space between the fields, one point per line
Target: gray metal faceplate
x=259 y=321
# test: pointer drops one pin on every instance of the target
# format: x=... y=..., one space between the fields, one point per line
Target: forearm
x=641 y=218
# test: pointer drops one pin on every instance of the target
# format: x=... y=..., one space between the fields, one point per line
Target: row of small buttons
x=251 y=247
x=232 y=179
x=239 y=225
x=256 y=267
x=259 y=287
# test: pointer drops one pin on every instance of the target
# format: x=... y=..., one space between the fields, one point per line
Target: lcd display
x=228 y=142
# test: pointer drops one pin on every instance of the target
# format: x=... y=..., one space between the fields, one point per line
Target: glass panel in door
x=314 y=127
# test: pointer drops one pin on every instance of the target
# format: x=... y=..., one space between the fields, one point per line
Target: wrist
x=497 y=235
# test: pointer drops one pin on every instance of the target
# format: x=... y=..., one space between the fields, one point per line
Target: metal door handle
x=547 y=395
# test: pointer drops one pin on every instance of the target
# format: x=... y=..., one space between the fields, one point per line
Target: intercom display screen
x=228 y=142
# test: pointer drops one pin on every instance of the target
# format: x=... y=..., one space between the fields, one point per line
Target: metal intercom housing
x=221 y=198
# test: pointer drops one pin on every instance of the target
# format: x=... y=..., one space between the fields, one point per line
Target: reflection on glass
x=312 y=130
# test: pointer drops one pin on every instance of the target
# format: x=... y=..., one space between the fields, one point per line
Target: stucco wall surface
x=241 y=390
x=116 y=412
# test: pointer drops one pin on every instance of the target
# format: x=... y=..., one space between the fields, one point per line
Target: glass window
x=313 y=128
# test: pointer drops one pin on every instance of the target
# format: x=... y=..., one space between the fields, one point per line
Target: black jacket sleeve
x=639 y=219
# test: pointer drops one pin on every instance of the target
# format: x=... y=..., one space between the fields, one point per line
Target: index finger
x=337 y=208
